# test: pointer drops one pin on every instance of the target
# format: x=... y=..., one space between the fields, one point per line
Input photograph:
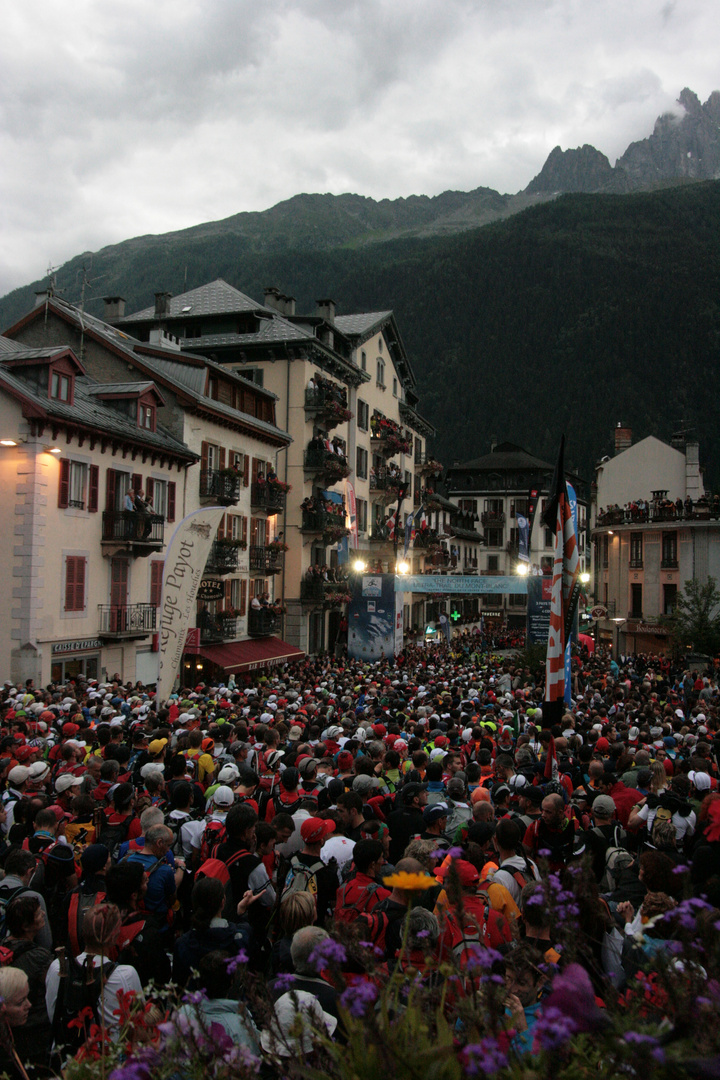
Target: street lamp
x=403 y=568
x=522 y=569
x=585 y=578
x=359 y=566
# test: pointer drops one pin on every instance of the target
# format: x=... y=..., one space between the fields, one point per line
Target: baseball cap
x=67 y=780
x=701 y=780
x=409 y=791
x=39 y=770
x=313 y=830
x=18 y=774
x=365 y=784
x=434 y=812
x=604 y=806
x=274 y=758
x=223 y=796
x=467 y=873
x=157 y=746
x=295 y=733
x=228 y=773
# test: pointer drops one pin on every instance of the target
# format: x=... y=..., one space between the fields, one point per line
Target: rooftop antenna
x=52 y=289
x=81 y=307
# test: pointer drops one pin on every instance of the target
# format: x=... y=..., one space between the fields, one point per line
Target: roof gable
x=215 y=298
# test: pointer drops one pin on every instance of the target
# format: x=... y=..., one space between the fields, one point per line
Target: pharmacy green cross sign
x=455 y=615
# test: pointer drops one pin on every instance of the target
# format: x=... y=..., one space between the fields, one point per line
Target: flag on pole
x=391 y=524
x=410 y=527
x=565 y=591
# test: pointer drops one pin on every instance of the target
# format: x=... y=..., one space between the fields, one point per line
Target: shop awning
x=251 y=655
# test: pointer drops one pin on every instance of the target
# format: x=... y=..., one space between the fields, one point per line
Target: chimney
x=286 y=304
x=677 y=440
x=326 y=310
x=493 y=443
x=162 y=304
x=272 y=297
x=114 y=308
x=694 y=486
x=623 y=438
x=42 y=295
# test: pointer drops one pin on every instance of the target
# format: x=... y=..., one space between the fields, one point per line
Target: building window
x=517 y=599
x=363 y=414
x=361 y=510
x=469 y=505
x=363 y=361
x=493 y=538
x=60 y=386
x=395 y=387
x=146 y=417
x=636 y=600
x=362 y=463
x=75 y=567
x=549 y=538
x=606 y=552
x=493 y=563
x=380 y=374
x=418 y=452
x=636 y=549
x=669 y=599
x=669 y=550
x=78 y=485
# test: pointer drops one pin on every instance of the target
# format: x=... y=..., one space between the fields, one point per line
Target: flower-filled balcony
x=337 y=598
x=267 y=558
x=264 y=622
x=269 y=495
x=317 y=520
x=330 y=467
x=228 y=621
x=493 y=517
x=221 y=485
x=317 y=590
x=223 y=557
x=388 y=438
x=426 y=539
x=127 y=620
x=427 y=465
x=386 y=483
x=133 y=533
x=327 y=402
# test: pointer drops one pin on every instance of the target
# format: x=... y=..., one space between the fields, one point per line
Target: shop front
x=78 y=658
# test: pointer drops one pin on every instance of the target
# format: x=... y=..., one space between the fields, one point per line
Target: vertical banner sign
x=352 y=515
x=539 y=596
x=372 y=618
x=523 y=538
x=399 y=634
x=533 y=500
x=568 y=645
x=185 y=560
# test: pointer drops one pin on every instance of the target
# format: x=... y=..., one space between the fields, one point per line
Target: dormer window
x=146 y=416
x=60 y=386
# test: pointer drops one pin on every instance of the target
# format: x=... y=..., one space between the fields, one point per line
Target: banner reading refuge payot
x=185 y=561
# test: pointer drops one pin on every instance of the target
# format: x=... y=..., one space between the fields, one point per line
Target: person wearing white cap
x=18 y=777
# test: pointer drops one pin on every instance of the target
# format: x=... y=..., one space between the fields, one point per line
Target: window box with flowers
x=337 y=599
x=334 y=533
x=277 y=546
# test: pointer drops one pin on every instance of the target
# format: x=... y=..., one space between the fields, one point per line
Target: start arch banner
x=460 y=584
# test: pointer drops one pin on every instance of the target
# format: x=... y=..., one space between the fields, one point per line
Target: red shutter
x=243 y=530
x=204 y=457
x=156 y=575
x=227 y=598
x=74 y=583
x=110 y=486
x=221 y=528
x=253 y=531
x=256 y=463
x=64 y=489
x=136 y=482
x=171 y=500
x=94 y=489
x=221 y=458
x=149 y=487
x=243 y=596
x=246 y=470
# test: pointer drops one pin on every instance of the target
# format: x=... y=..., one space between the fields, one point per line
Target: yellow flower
x=410 y=882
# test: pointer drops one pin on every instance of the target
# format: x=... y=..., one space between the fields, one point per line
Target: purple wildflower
x=554 y=1028
x=572 y=994
x=454 y=852
x=358 y=998
x=142 y=1067
x=483 y=1058
x=680 y=869
x=284 y=982
x=480 y=957
x=237 y=962
x=327 y=951
x=639 y=1038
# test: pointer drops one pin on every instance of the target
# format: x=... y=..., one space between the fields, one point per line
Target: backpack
x=302 y=878
x=80 y=903
x=348 y=913
x=113 y=836
x=214 y=834
x=8 y=957
x=79 y=989
x=175 y=826
x=8 y=893
x=617 y=859
x=373 y=927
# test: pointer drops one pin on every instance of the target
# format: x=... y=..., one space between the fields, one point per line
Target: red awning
x=249 y=655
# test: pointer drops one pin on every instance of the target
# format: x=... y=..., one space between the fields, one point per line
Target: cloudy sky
x=138 y=116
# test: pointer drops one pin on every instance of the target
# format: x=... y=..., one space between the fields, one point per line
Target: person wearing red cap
x=476 y=922
x=308 y=873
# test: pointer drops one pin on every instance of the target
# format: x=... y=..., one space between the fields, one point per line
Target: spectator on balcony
x=255 y=604
x=142 y=510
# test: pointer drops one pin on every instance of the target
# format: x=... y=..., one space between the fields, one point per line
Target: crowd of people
x=417 y=807
x=660 y=509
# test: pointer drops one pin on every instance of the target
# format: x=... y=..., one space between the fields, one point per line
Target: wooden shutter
x=243 y=530
x=246 y=470
x=221 y=458
x=171 y=500
x=64 y=488
x=204 y=457
x=243 y=596
x=156 y=574
x=256 y=467
x=136 y=482
x=227 y=599
x=110 y=487
x=74 y=583
x=94 y=489
x=253 y=531
x=220 y=535
x=149 y=487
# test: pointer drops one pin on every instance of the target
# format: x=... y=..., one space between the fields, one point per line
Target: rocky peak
x=584 y=169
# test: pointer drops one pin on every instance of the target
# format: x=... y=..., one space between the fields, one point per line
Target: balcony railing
x=328 y=402
x=268 y=497
x=389 y=437
x=331 y=466
x=263 y=623
x=383 y=482
x=493 y=517
x=228 y=625
x=319 y=591
x=669 y=564
x=265 y=560
x=380 y=535
x=127 y=620
x=215 y=628
x=222 y=485
x=223 y=558
x=141 y=532
x=426 y=538
x=317 y=521
x=636 y=564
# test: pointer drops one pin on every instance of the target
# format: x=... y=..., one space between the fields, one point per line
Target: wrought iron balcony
x=223 y=558
x=228 y=625
x=328 y=402
x=223 y=485
x=669 y=564
x=317 y=521
x=264 y=623
x=265 y=560
x=127 y=620
x=138 y=533
x=493 y=517
x=269 y=497
x=332 y=467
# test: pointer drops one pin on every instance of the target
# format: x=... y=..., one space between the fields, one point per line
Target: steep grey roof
x=271 y=330
x=505 y=456
x=354 y=325
x=88 y=410
x=8 y=346
x=121 y=388
x=215 y=298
